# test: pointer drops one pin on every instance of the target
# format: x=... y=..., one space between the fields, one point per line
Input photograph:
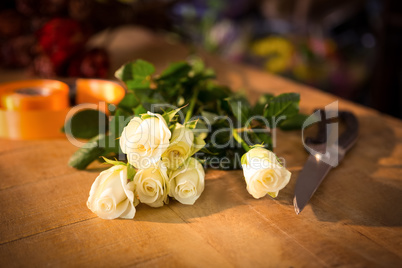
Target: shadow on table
x=365 y=189
x=219 y=195
x=97 y=169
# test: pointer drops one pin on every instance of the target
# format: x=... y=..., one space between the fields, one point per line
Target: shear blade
x=311 y=176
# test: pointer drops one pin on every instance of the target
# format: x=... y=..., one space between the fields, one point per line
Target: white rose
x=180 y=147
x=188 y=182
x=151 y=186
x=144 y=141
x=263 y=173
x=111 y=195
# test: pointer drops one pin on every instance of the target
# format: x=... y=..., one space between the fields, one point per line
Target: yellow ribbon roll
x=37 y=109
x=97 y=90
x=34 y=95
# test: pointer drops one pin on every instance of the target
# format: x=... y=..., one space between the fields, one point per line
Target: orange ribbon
x=37 y=109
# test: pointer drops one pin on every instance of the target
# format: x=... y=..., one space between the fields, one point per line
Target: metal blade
x=311 y=176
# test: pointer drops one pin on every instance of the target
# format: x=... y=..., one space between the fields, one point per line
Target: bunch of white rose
x=159 y=165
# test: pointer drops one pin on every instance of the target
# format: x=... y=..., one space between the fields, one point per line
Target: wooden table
x=354 y=218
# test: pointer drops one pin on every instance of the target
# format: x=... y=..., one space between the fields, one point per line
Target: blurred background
x=350 y=48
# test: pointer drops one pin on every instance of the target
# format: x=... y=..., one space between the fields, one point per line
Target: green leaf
x=116 y=125
x=209 y=117
x=131 y=171
x=197 y=64
x=87 y=153
x=138 y=70
x=118 y=121
x=124 y=73
x=202 y=161
x=240 y=108
x=212 y=98
x=199 y=71
x=136 y=74
x=138 y=84
x=169 y=116
x=294 y=122
x=134 y=70
x=172 y=127
x=146 y=116
x=140 y=110
x=262 y=101
x=86 y=124
x=129 y=101
x=113 y=162
x=273 y=194
x=198 y=145
x=213 y=92
x=191 y=124
x=142 y=68
x=175 y=70
x=172 y=83
x=111 y=145
x=201 y=130
x=205 y=150
x=149 y=97
x=286 y=104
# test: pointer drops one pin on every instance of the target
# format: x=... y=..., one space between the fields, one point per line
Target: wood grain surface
x=354 y=219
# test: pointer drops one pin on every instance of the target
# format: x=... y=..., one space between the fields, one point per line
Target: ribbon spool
x=37 y=109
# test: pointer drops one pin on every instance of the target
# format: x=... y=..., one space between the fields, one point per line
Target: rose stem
x=239 y=139
x=192 y=104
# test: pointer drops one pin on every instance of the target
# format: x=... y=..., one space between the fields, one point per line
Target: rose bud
x=151 y=186
x=180 y=147
x=145 y=140
x=187 y=183
x=263 y=173
x=111 y=195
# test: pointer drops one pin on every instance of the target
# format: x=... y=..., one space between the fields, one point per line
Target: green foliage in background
x=192 y=86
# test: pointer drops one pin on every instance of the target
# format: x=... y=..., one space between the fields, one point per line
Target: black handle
x=321 y=136
x=346 y=140
x=349 y=136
